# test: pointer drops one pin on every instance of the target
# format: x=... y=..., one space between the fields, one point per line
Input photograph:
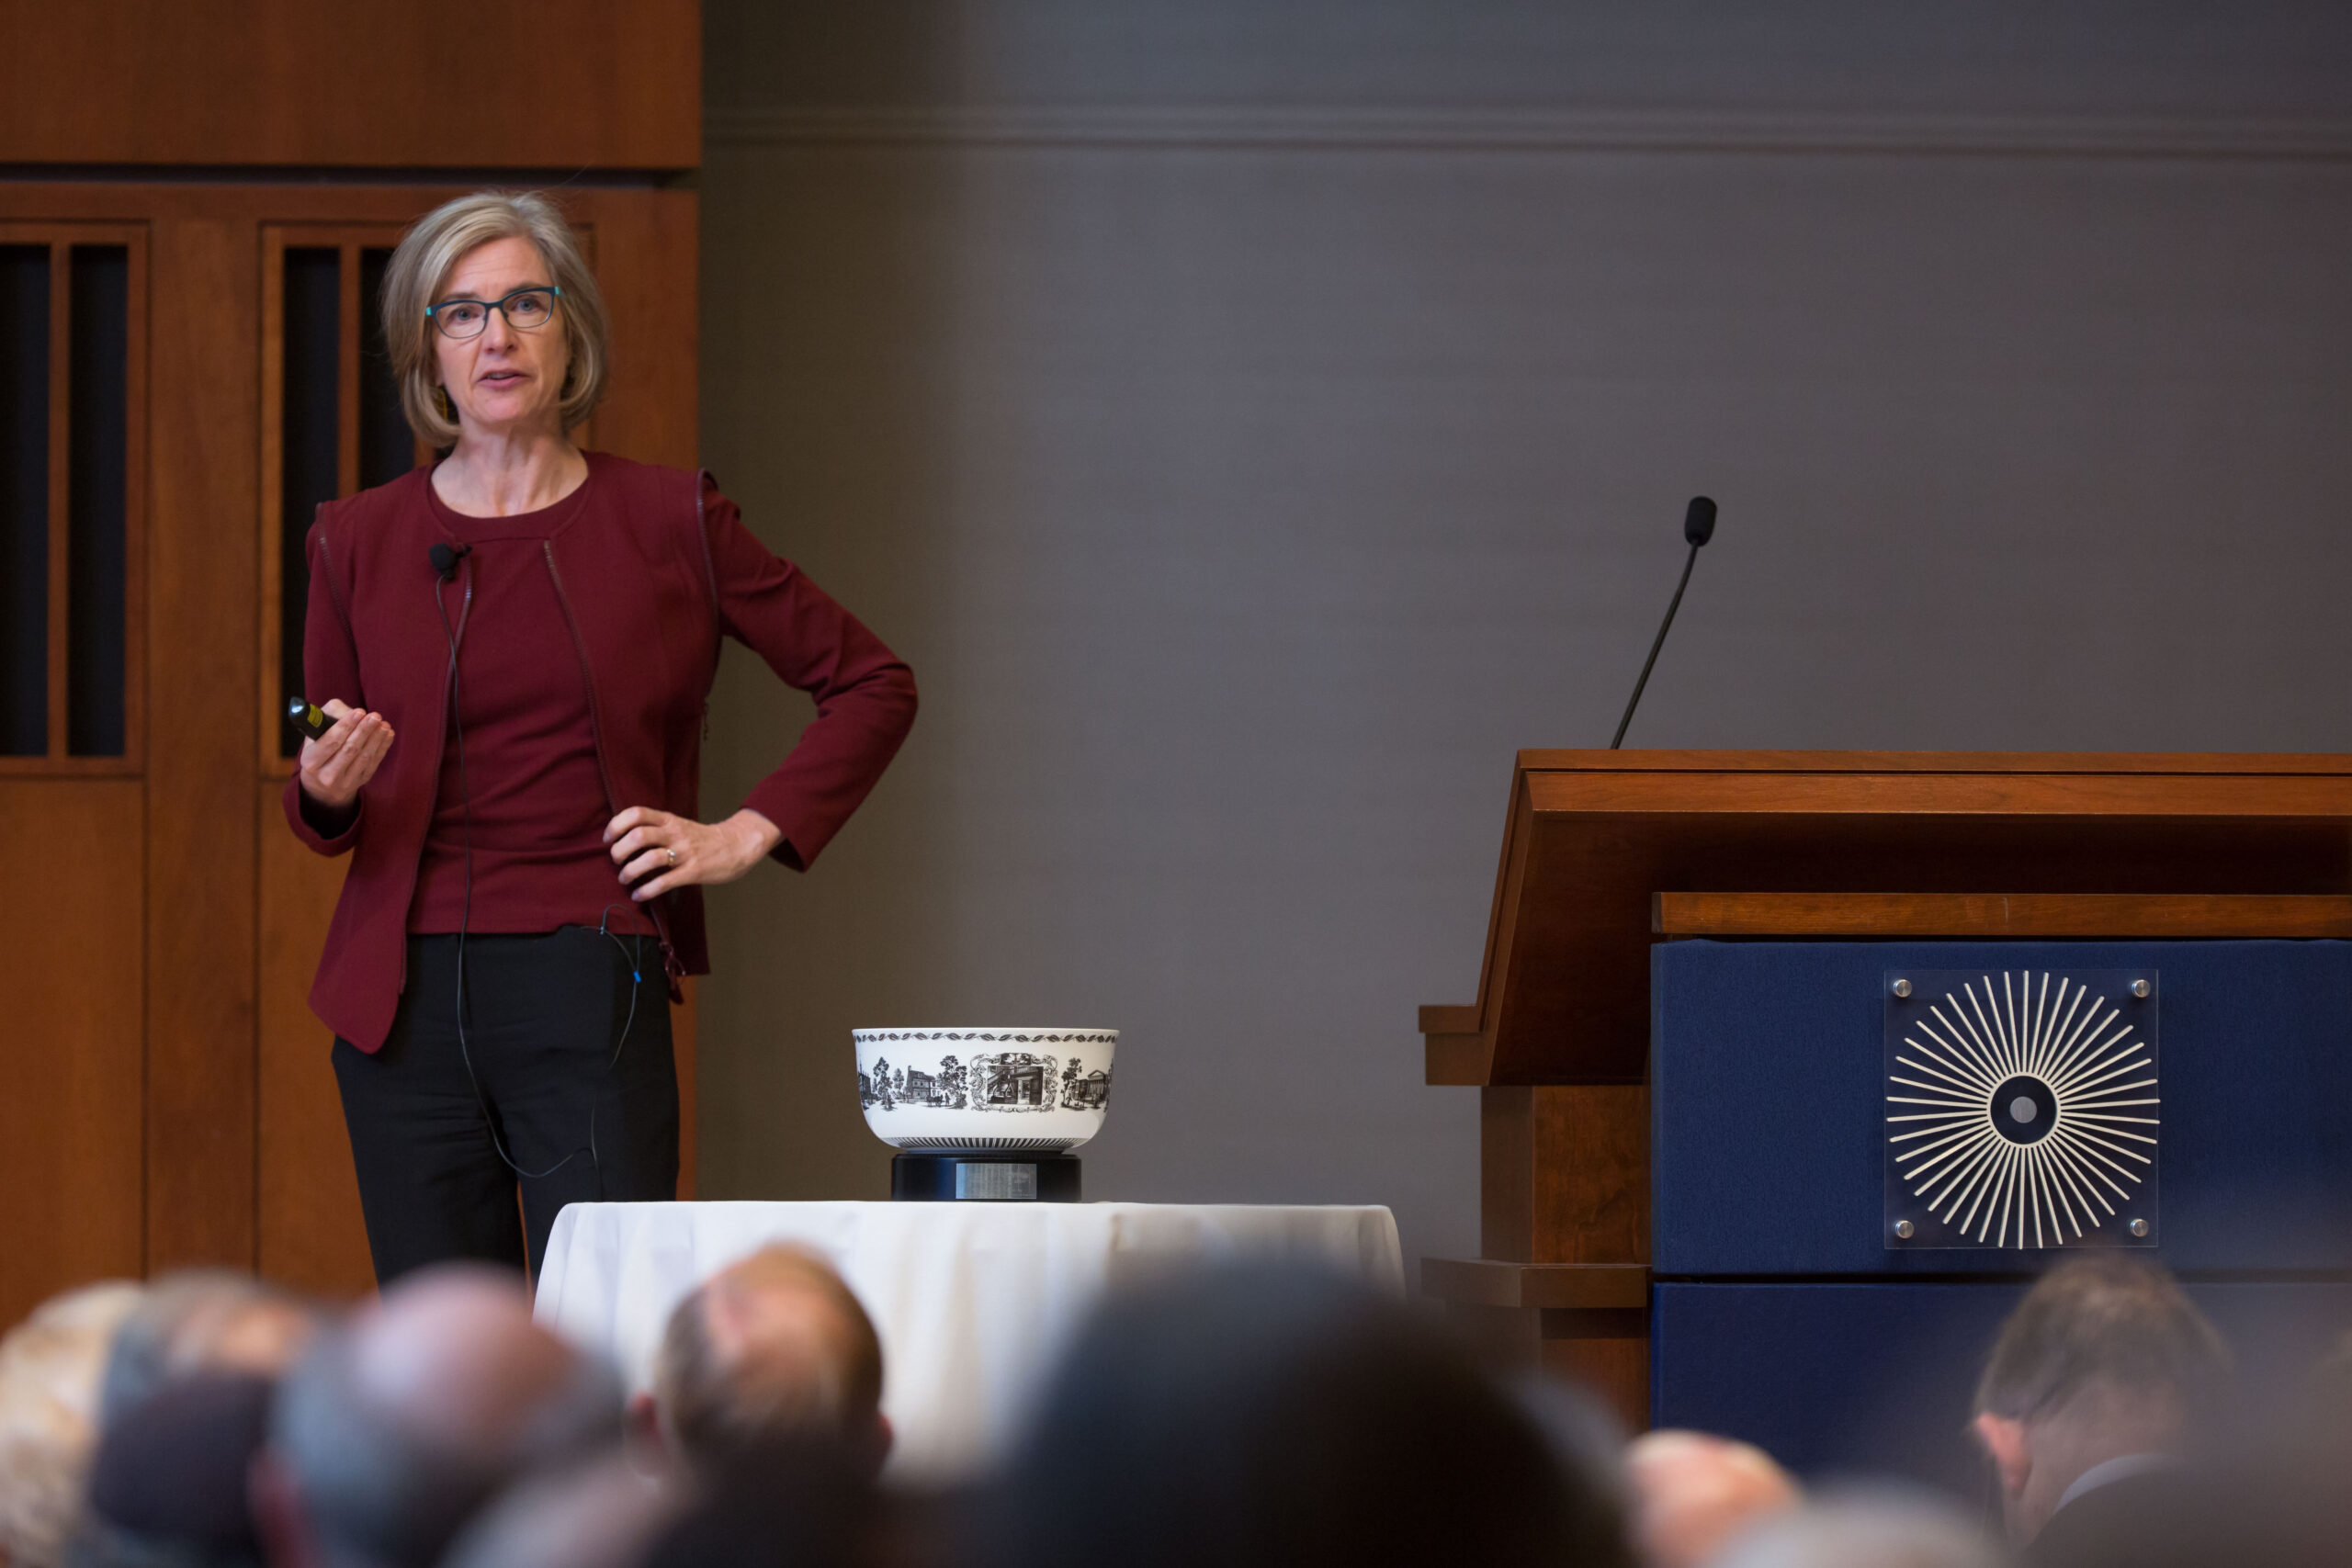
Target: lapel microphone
x=444 y=558
x=1697 y=527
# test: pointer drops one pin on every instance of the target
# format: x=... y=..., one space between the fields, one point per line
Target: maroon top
x=529 y=763
x=644 y=568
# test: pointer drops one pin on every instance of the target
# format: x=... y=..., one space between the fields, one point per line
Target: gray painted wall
x=1254 y=421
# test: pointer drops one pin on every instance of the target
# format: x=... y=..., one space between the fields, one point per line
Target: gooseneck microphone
x=1698 y=526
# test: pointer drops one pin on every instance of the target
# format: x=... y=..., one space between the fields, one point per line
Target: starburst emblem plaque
x=2022 y=1108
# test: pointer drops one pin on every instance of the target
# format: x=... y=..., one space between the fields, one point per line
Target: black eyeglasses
x=527 y=309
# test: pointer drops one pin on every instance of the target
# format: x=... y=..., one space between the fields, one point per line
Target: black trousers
x=586 y=1113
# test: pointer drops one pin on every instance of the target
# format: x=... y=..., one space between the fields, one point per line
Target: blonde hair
x=50 y=1368
x=431 y=250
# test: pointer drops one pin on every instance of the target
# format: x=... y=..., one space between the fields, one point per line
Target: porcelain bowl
x=942 y=1090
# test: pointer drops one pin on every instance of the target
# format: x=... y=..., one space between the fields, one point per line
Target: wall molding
x=1529 y=130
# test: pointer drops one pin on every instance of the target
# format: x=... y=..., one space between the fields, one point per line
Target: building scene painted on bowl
x=1004 y=1080
x=919 y=1086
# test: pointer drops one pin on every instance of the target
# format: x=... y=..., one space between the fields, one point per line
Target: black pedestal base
x=987 y=1178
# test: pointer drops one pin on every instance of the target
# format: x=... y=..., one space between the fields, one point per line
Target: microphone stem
x=1672 y=605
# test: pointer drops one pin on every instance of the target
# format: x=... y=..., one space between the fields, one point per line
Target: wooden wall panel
x=201 y=825
x=460 y=84
x=647 y=266
x=69 y=1188
x=311 y=1233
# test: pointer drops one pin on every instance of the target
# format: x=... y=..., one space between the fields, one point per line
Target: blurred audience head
x=168 y=1485
x=393 y=1429
x=50 y=1368
x=1892 y=1530
x=599 y=1514
x=2326 y=1414
x=772 y=1349
x=204 y=1320
x=1258 y=1413
x=1693 y=1495
x=2105 y=1360
x=800 y=1502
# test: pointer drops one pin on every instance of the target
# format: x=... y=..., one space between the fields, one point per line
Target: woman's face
x=502 y=380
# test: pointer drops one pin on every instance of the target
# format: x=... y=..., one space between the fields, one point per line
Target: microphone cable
x=445 y=561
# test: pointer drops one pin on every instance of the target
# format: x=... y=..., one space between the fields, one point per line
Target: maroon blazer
x=648 y=573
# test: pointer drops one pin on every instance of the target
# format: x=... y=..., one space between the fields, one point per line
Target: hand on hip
x=658 y=851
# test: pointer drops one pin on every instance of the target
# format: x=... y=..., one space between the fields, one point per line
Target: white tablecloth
x=971 y=1300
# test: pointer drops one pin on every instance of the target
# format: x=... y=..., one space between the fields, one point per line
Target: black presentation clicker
x=308 y=717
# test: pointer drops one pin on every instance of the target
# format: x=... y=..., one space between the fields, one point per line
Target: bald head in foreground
x=1891 y=1531
x=392 y=1431
x=772 y=1349
x=1694 y=1494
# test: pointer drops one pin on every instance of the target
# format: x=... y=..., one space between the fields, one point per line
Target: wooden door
x=192 y=365
x=72 y=749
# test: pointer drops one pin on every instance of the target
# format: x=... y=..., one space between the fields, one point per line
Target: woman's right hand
x=338 y=763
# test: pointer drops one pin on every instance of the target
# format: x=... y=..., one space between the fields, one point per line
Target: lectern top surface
x=1591 y=838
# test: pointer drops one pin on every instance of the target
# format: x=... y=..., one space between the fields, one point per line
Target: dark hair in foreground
x=1259 y=1414
x=167 y=1486
x=789 y=1502
x=2104 y=1321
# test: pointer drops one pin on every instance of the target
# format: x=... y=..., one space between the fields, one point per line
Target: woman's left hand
x=684 y=850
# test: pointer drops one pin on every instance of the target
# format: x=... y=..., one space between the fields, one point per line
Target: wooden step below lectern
x=1606 y=854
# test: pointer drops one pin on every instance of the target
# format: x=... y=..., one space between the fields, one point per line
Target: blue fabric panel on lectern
x=1768 y=1115
x=1878 y=1378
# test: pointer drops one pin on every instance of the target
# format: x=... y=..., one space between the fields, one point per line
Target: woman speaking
x=517 y=646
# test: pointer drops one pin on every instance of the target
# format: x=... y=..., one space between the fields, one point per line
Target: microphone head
x=1699 y=522
x=444 y=559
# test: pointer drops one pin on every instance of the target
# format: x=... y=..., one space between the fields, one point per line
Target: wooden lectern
x=1606 y=852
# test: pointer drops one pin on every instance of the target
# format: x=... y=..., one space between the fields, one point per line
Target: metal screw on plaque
x=1903 y=1227
x=2139 y=987
x=2139 y=1227
x=1902 y=988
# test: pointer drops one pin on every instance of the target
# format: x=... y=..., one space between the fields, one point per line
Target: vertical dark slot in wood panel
x=387 y=445
x=98 y=500
x=309 y=446
x=24 y=501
